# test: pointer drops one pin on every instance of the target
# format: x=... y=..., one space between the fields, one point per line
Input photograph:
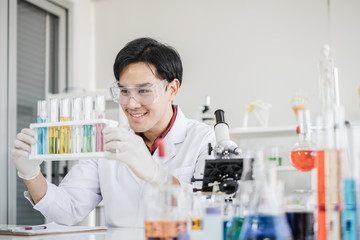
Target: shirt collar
x=162 y=136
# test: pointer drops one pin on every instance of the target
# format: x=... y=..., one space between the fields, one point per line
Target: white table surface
x=110 y=234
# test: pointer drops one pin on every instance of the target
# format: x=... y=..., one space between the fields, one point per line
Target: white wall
x=238 y=51
x=82 y=69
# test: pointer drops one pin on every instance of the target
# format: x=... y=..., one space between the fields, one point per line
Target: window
x=36 y=64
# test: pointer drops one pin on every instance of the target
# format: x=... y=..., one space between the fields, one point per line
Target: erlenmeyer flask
x=241 y=202
x=265 y=219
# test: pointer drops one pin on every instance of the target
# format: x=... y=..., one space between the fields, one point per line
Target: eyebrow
x=136 y=85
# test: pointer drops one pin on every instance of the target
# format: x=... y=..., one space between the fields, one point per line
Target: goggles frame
x=144 y=95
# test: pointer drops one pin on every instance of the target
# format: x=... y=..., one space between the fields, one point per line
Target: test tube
x=99 y=114
x=53 y=131
x=64 y=130
x=42 y=117
x=76 y=130
x=88 y=129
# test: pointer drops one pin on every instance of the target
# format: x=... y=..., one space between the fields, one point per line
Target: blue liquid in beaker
x=265 y=227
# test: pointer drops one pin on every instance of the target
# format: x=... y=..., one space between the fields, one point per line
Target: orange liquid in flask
x=303 y=160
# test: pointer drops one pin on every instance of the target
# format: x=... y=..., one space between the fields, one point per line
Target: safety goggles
x=143 y=95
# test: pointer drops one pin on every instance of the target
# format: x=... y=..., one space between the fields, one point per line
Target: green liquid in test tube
x=88 y=129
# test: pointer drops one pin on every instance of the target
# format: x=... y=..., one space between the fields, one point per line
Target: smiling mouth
x=137 y=115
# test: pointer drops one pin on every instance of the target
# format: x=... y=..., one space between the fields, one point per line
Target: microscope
x=229 y=166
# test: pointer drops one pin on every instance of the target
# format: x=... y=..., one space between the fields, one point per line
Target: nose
x=133 y=103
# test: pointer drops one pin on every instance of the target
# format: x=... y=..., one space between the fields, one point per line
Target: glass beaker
x=167 y=212
x=299 y=208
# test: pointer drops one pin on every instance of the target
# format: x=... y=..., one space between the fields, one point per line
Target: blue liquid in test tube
x=42 y=133
x=348 y=214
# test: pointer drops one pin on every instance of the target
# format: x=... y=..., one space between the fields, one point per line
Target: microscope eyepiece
x=219 y=115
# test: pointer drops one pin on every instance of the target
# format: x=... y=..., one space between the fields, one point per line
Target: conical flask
x=241 y=202
x=265 y=219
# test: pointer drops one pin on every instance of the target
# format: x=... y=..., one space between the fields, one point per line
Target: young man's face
x=152 y=117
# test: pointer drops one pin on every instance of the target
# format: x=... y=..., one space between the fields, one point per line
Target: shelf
x=261 y=132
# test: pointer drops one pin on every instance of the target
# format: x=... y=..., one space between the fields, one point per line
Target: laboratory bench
x=110 y=234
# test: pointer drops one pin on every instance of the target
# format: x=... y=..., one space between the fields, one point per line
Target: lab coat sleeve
x=76 y=196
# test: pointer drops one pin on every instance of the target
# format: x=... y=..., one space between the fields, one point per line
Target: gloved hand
x=133 y=152
x=27 y=169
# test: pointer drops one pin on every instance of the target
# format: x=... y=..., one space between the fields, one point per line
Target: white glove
x=27 y=169
x=133 y=152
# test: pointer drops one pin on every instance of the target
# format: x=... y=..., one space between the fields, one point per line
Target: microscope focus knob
x=210 y=149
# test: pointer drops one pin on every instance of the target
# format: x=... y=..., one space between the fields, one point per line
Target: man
x=148 y=76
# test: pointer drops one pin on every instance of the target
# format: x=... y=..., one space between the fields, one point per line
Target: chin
x=137 y=128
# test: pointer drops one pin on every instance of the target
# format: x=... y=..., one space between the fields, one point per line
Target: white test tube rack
x=68 y=156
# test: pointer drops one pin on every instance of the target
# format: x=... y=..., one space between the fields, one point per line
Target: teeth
x=138 y=115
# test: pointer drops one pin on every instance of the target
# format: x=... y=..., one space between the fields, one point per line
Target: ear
x=173 y=88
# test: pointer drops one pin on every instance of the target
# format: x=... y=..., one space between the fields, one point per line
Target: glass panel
x=30 y=87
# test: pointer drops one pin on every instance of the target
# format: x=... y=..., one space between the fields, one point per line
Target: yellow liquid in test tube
x=53 y=140
x=64 y=136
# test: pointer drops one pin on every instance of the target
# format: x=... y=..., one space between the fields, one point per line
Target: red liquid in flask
x=303 y=160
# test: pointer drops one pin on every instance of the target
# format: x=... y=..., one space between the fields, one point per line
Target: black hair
x=165 y=58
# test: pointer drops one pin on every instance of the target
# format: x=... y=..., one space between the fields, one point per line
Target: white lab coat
x=121 y=190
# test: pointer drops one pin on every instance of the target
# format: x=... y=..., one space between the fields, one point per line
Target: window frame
x=8 y=105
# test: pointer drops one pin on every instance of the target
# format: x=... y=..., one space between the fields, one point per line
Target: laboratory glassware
x=299 y=101
x=76 y=135
x=42 y=133
x=213 y=224
x=88 y=129
x=265 y=219
x=167 y=211
x=303 y=155
x=241 y=209
x=53 y=131
x=299 y=208
x=197 y=213
x=348 y=185
x=64 y=130
x=354 y=143
x=328 y=180
x=99 y=114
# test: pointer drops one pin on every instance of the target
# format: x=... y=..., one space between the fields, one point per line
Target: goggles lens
x=144 y=95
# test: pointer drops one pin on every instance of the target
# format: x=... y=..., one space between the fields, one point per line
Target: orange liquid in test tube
x=321 y=209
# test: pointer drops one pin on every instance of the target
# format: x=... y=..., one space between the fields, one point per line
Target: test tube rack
x=68 y=156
